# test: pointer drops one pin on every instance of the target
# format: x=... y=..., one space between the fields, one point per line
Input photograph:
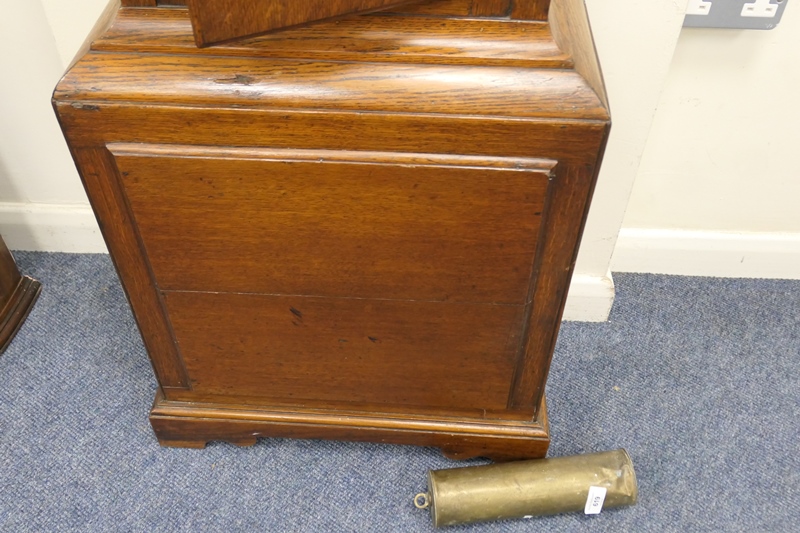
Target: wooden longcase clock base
x=361 y=229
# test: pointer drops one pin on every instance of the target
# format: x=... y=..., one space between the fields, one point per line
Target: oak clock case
x=362 y=228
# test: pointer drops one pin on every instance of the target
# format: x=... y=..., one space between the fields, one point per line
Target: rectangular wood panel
x=287 y=349
x=391 y=226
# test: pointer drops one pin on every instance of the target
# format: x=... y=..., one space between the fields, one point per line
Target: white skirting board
x=590 y=298
x=708 y=253
x=50 y=228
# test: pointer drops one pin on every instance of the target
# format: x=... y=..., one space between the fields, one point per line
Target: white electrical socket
x=699 y=7
x=760 y=8
x=734 y=14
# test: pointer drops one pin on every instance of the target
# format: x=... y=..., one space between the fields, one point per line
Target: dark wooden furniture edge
x=17 y=308
x=191 y=425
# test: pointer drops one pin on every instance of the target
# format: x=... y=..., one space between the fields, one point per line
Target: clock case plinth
x=361 y=229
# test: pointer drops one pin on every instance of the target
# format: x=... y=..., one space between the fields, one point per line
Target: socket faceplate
x=738 y=14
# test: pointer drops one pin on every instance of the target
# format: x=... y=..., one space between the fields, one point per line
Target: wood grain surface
x=18 y=294
x=288 y=349
x=456 y=8
x=570 y=25
x=451 y=8
x=9 y=273
x=335 y=86
x=362 y=229
x=222 y=20
x=194 y=425
x=570 y=142
x=409 y=39
x=531 y=9
x=96 y=167
x=389 y=226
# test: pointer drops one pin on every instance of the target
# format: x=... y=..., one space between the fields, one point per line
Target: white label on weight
x=594 y=502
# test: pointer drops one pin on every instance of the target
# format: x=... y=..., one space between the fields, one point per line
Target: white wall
x=635 y=42
x=42 y=203
x=33 y=156
x=71 y=21
x=718 y=191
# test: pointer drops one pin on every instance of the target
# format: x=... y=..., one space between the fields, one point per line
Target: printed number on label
x=594 y=502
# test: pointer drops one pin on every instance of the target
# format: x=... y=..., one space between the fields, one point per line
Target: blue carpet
x=696 y=377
